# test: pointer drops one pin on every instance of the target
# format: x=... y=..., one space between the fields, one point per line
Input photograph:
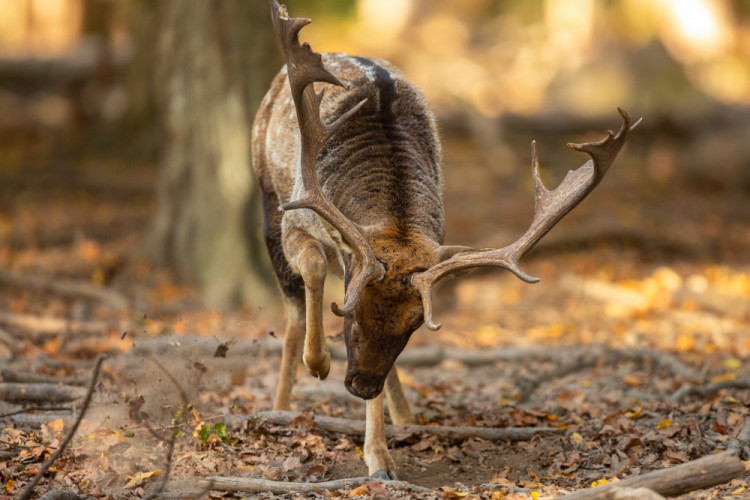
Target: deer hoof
x=384 y=475
x=318 y=365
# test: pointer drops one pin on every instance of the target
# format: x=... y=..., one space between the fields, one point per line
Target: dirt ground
x=645 y=291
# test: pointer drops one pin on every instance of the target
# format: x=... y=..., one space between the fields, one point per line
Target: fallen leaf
x=140 y=478
x=359 y=490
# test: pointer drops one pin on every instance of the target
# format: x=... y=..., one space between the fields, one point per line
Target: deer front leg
x=398 y=406
x=311 y=263
x=379 y=462
x=292 y=353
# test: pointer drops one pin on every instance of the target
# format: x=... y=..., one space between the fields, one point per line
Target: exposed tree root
x=673 y=481
x=401 y=432
x=256 y=485
x=708 y=389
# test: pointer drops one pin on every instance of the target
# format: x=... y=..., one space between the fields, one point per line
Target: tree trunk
x=214 y=61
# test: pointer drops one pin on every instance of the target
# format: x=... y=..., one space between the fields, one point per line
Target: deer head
x=389 y=275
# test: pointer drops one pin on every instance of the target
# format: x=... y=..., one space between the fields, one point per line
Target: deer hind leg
x=309 y=258
x=379 y=462
x=398 y=406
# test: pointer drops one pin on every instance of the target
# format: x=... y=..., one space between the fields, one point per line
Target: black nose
x=364 y=385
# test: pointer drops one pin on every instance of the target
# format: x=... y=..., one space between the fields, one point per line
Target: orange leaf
x=359 y=491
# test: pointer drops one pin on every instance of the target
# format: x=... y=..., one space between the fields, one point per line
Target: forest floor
x=645 y=294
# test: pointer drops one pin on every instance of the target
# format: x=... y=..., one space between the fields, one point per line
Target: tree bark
x=214 y=62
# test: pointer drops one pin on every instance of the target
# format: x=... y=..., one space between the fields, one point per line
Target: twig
x=257 y=485
x=36 y=408
x=83 y=289
x=673 y=481
x=705 y=390
x=26 y=494
x=53 y=393
x=401 y=432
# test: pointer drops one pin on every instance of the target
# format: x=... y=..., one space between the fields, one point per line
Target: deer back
x=381 y=169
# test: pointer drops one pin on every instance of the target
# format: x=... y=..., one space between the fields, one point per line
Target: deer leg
x=379 y=462
x=292 y=353
x=398 y=406
x=311 y=263
x=292 y=288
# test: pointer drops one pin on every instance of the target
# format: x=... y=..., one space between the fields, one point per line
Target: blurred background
x=125 y=160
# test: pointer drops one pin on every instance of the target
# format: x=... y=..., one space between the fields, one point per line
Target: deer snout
x=364 y=385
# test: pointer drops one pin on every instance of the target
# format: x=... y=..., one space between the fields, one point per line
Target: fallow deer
x=351 y=183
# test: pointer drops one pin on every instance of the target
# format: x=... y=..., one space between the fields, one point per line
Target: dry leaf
x=140 y=478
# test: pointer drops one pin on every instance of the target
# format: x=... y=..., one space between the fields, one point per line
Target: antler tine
x=305 y=67
x=549 y=208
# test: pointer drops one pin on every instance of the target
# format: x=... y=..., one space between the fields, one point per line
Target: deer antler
x=305 y=67
x=549 y=208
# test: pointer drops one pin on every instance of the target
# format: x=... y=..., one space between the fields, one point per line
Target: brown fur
x=381 y=170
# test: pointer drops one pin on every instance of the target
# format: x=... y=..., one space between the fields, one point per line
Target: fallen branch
x=53 y=393
x=43 y=324
x=674 y=481
x=26 y=494
x=257 y=485
x=401 y=432
x=708 y=389
x=35 y=378
x=83 y=289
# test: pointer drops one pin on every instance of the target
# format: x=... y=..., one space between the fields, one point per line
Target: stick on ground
x=26 y=494
x=357 y=427
x=673 y=481
x=256 y=485
x=51 y=393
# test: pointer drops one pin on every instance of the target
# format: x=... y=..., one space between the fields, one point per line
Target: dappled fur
x=382 y=171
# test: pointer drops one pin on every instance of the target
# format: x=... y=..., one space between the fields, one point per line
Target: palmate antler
x=305 y=67
x=549 y=208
